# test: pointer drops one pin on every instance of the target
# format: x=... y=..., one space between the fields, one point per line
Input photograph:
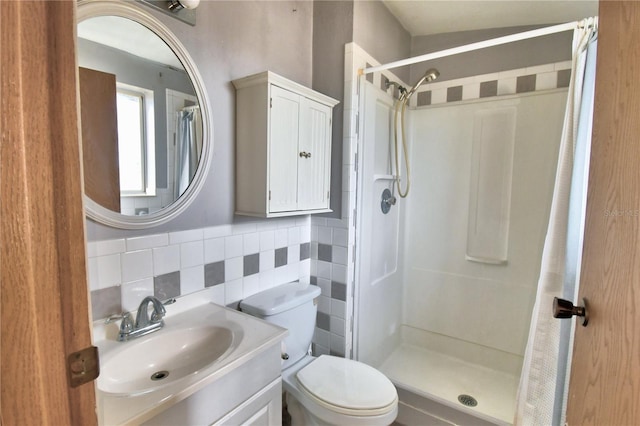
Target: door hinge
x=327 y=195
x=270 y=102
x=83 y=366
x=269 y=195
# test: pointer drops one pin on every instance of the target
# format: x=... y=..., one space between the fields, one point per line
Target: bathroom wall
x=230 y=40
x=332 y=29
x=537 y=51
x=207 y=246
x=379 y=33
x=301 y=41
x=332 y=240
x=235 y=260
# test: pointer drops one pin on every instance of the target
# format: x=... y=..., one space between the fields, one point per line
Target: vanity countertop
x=251 y=337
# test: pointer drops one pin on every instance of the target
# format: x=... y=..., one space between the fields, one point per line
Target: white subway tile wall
x=238 y=260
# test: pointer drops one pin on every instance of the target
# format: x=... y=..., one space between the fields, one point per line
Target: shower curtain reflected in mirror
x=188 y=147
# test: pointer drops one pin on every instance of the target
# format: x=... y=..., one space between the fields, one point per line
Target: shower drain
x=467 y=400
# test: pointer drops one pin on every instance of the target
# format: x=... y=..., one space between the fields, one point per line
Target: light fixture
x=183 y=10
x=175 y=5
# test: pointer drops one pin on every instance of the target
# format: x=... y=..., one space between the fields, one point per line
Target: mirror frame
x=95 y=8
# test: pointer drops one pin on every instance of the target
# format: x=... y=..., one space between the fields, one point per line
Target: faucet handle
x=127 y=321
x=157 y=315
x=126 y=326
x=116 y=317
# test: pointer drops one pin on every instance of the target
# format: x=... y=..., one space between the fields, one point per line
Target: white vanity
x=207 y=365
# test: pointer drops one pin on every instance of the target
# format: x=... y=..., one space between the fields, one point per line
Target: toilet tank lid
x=279 y=299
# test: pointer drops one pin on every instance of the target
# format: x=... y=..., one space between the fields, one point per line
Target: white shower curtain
x=541 y=393
x=188 y=147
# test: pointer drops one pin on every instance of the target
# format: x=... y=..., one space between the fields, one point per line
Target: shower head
x=428 y=76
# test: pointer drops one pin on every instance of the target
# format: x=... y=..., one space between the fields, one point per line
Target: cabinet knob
x=305 y=154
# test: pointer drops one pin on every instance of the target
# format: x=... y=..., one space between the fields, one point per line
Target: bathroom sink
x=159 y=359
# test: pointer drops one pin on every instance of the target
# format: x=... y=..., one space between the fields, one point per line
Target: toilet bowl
x=335 y=391
x=327 y=390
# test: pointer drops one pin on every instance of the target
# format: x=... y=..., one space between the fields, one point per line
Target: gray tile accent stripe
x=105 y=302
x=424 y=98
x=305 y=251
x=323 y=321
x=338 y=291
x=489 y=88
x=564 y=78
x=325 y=252
x=454 y=94
x=526 y=83
x=281 y=257
x=214 y=274
x=167 y=286
x=251 y=264
x=313 y=280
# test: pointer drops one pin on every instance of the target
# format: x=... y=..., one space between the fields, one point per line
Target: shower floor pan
x=430 y=383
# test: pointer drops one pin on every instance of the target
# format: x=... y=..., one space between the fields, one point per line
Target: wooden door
x=44 y=286
x=604 y=388
x=99 y=119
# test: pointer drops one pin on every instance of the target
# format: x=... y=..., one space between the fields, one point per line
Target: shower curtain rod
x=478 y=45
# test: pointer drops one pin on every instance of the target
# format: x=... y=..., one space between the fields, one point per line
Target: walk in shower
x=445 y=293
x=446 y=278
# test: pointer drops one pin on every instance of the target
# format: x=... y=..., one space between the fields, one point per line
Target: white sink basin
x=161 y=358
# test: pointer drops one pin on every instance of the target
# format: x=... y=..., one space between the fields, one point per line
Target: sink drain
x=159 y=375
x=467 y=400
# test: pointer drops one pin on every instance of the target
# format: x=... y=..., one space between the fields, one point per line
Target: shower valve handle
x=564 y=309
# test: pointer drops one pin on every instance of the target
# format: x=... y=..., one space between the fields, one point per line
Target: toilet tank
x=292 y=306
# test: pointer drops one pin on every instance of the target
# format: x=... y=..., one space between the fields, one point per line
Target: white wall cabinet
x=283 y=147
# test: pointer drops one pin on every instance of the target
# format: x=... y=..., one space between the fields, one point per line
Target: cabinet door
x=283 y=150
x=313 y=165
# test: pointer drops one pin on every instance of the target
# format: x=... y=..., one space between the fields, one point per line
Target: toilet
x=327 y=390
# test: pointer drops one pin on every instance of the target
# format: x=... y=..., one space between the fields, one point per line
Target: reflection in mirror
x=142 y=129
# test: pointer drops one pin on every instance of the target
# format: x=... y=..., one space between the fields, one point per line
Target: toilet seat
x=347 y=387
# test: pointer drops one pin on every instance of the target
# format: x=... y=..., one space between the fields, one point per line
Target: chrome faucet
x=142 y=319
x=143 y=324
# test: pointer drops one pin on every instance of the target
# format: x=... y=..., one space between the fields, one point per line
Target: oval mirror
x=146 y=138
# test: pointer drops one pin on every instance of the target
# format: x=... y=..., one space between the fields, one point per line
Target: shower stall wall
x=445 y=281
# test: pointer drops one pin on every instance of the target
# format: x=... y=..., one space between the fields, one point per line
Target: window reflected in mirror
x=140 y=117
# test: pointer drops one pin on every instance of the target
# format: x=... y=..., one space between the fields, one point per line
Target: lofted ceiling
x=426 y=17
